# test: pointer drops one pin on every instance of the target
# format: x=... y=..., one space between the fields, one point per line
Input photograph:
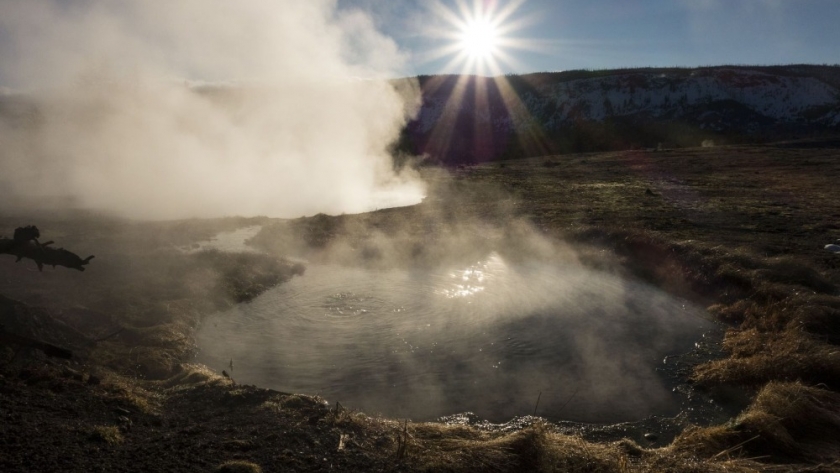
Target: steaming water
x=488 y=338
x=229 y=241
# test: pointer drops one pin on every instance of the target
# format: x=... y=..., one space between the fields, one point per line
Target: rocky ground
x=740 y=229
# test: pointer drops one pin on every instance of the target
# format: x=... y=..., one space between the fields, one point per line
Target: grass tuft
x=786 y=422
x=238 y=466
x=109 y=434
x=760 y=357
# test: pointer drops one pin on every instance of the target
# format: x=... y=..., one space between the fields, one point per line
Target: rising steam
x=200 y=108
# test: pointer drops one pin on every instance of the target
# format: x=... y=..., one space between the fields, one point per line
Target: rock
x=124 y=423
x=73 y=374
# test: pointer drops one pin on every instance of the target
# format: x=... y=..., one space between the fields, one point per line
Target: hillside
x=467 y=119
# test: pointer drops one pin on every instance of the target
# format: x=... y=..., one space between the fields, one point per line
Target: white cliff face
x=781 y=98
x=772 y=96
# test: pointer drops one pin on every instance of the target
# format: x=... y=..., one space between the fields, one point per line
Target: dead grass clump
x=161 y=334
x=734 y=276
x=755 y=286
x=741 y=274
x=131 y=394
x=733 y=314
x=537 y=448
x=690 y=268
x=794 y=420
x=190 y=375
x=791 y=272
x=759 y=357
x=673 y=460
x=107 y=433
x=815 y=316
x=769 y=316
x=439 y=447
x=819 y=315
x=238 y=466
x=436 y=447
x=708 y=442
x=299 y=401
x=139 y=361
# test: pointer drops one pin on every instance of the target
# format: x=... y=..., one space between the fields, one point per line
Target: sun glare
x=479 y=38
x=477 y=34
x=479 y=41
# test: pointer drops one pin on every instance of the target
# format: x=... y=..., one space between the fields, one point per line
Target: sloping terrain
x=741 y=229
x=477 y=119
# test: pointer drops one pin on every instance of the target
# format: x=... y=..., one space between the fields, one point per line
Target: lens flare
x=478 y=42
x=480 y=39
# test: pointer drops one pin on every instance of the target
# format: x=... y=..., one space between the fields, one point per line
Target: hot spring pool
x=488 y=338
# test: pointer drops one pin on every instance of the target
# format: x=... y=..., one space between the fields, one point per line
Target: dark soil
x=741 y=229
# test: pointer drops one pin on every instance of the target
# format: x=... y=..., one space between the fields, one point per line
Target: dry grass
x=759 y=357
x=138 y=312
x=238 y=466
x=738 y=229
x=786 y=422
x=433 y=447
x=109 y=434
x=436 y=447
x=539 y=448
x=717 y=230
x=795 y=420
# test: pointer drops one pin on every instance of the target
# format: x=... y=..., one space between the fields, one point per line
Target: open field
x=741 y=230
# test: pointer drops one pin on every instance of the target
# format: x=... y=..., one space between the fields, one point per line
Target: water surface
x=487 y=338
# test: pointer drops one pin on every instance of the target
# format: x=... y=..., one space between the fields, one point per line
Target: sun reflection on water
x=474 y=279
x=482 y=336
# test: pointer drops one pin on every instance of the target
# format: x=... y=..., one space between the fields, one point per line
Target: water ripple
x=486 y=338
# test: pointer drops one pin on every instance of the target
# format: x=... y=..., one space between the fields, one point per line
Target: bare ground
x=740 y=229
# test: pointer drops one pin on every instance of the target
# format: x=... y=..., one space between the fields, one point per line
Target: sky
x=554 y=35
x=200 y=108
x=298 y=119
x=412 y=37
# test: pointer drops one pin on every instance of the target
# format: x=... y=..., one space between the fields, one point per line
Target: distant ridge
x=469 y=119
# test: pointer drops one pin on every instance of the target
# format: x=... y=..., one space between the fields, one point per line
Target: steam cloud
x=201 y=108
x=486 y=339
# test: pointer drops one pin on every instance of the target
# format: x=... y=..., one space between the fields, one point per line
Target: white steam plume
x=200 y=108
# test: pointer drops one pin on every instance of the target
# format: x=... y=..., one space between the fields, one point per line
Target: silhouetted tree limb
x=25 y=244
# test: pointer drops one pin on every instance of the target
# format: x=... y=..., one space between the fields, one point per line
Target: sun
x=479 y=39
x=477 y=35
x=475 y=45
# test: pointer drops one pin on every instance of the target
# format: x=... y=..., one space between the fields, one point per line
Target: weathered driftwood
x=25 y=245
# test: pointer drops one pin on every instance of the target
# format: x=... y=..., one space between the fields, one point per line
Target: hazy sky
x=411 y=36
x=120 y=125
x=105 y=104
x=573 y=34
